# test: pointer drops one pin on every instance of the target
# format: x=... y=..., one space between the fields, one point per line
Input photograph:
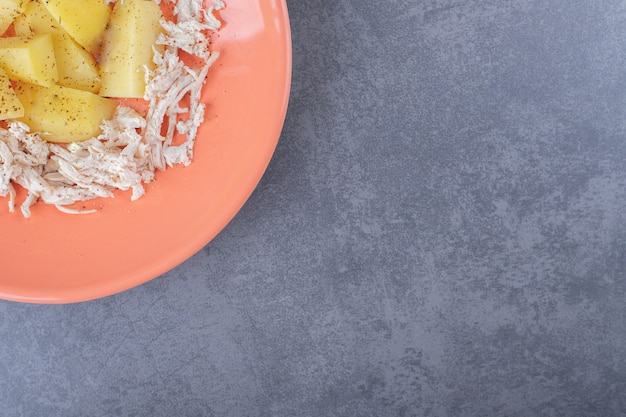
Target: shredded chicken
x=131 y=146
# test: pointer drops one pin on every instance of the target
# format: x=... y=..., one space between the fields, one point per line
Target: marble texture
x=441 y=232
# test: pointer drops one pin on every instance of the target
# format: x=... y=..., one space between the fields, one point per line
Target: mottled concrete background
x=442 y=232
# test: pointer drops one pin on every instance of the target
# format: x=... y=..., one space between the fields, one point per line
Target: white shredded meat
x=131 y=146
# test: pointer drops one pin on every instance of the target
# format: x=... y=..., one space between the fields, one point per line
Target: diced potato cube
x=30 y=60
x=9 y=10
x=76 y=67
x=63 y=114
x=127 y=48
x=85 y=21
x=10 y=106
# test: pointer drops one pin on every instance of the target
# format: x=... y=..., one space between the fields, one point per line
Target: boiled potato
x=63 y=114
x=85 y=21
x=127 y=48
x=52 y=62
x=10 y=106
x=29 y=59
x=76 y=67
x=9 y=10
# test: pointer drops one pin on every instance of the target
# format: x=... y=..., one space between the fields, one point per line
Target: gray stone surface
x=440 y=233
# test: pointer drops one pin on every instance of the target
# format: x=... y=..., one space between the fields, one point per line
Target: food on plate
x=29 y=59
x=76 y=67
x=63 y=114
x=84 y=20
x=10 y=106
x=67 y=132
x=9 y=10
x=133 y=25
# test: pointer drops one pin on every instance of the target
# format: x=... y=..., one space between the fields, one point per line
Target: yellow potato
x=63 y=114
x=85 y=21
x=9 y=10
x=76 y=67
x=30 y=60
x=127 y=48
x=10 y=105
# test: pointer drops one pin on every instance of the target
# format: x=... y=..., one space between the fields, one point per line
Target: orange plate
x=59 y=258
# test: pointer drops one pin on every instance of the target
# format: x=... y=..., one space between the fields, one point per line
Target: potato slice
x=10 y=106
x=77 y=68
x=63 y=114
x=85 y=21
x=9 y=10
x=127 y=48
x=30 y=60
